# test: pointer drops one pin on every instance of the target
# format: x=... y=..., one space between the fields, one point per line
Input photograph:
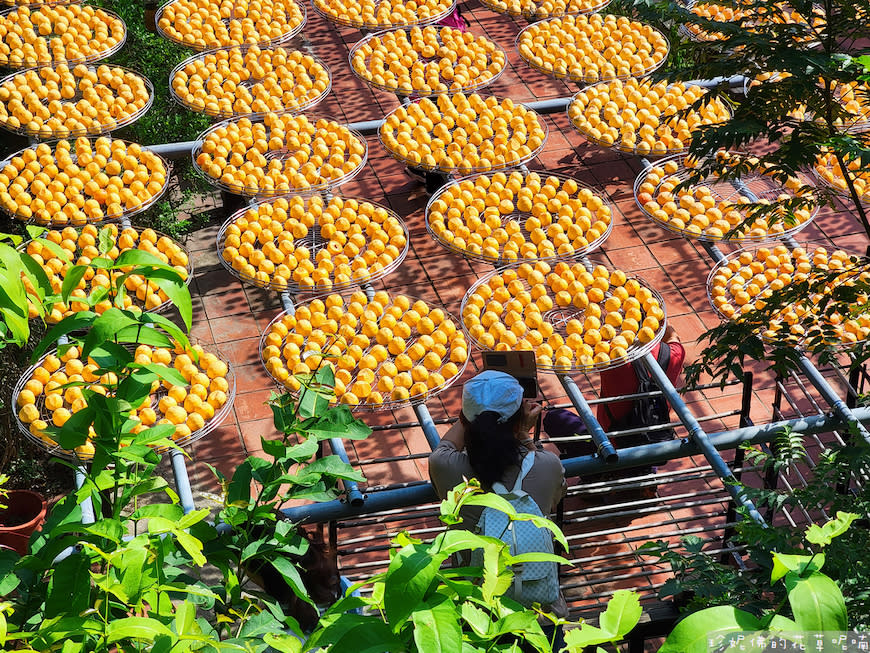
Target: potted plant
x=21 y=513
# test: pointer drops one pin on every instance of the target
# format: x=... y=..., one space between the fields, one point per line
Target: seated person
x=489 y=442
x=617 y=381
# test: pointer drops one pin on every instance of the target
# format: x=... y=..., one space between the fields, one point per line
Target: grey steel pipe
x=182 y=480
x=354 y=496
x=364 y=127
x=174 y=150
x=604 y=446
x=647 y=454
x=427 y=425
x=837 y=404
x=697 y=434
x=87 y=504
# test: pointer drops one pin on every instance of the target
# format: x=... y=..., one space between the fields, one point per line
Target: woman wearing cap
x=489 y=442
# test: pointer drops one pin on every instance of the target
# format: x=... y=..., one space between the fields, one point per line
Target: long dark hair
x=492 y=446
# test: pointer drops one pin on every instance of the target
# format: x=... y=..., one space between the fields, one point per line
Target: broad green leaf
x=408 y=578
x=71 y=281
x=479 y=620
x=106 y=240
x=130 y=567
x=76 y=322
x=578 y=639
x=290 y=573
x=163 y=372
x=170 y=282
x=192 y=545
x=822 y=535
x=622 y=613
x=104 y=328
x=185 y=617
x=8 y=580
x=132 y=257
x=436 y=626
x=816 y=602
x=691 y=634
x=337 y=422
x=110 y=529
x=135 y=628
x=69 y=587
x=786 y=562
x=283 y=643
x=357 y=633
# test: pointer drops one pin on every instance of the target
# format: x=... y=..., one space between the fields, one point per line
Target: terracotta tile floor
x=233 y=316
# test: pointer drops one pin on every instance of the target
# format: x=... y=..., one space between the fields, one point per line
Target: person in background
x=622 y=380
x=488 y=443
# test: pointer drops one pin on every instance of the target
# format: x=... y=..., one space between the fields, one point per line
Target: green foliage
x=701 y=580
x=618 y=619
x=419 y=605
x=806 y=47
x=815 y=601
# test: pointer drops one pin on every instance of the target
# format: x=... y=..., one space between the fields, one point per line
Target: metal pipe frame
x=699 y=436
x=182 y=480
x=605 y=448
x=428 y=425
x=647 y=454
x=364 y=127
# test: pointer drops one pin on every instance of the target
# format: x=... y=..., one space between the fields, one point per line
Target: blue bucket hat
x=491 y=390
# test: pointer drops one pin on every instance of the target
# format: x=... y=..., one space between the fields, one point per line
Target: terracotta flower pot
x=25 y=512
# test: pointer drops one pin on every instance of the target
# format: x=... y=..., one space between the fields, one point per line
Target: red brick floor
x=232 y=316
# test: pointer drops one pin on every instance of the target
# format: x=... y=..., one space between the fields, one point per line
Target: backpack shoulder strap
x=664 y=356
x=528 y=461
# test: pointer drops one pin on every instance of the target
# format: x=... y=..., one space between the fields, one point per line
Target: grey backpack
x=534 y=582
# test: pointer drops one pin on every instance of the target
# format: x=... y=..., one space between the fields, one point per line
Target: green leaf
x=69 y=587
x=578 y=639
x=479 y=620
x=337 y=422
x=411 y=572
x=785 y=562
x=283 y=643
x=110 y=529
x=80 y=321
x=130 y=565
x=71 y=281
x=192 y=545
x=816 y=602
x=622 y=613
x=822 y=535
x=170 y=282
x=290 y=573
x=691 y=634
x=135 y=628
x=436 y=626
x=163 y=372
x=106 y=240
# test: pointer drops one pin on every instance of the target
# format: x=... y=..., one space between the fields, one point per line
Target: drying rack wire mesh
x=54 y=449
x=313 y=241
x=96 y=128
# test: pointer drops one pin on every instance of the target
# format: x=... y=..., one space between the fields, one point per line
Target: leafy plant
x=781 y=127
x=702 y=580
x=618 y=619
x=814 y=600
x=420 y=605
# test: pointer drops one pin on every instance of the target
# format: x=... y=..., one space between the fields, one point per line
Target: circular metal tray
x=314 y=242
x=283 y=38
x=213 y=423
x=400 y=90
x=238 y=189
x=808 y=246
x=698 y=35
x=307 y=103
x=532 y=11
x=617 y=146
x=103 y=129
x=762 y=186
x=127 y=213
x=520 y=216
x=37 y=5
x=387 y=404
x=339 y=19
x=559 y=317
x=103 y=54
x=828 y=166
x=451 y=169
x=568 y=75
x=74 y=256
